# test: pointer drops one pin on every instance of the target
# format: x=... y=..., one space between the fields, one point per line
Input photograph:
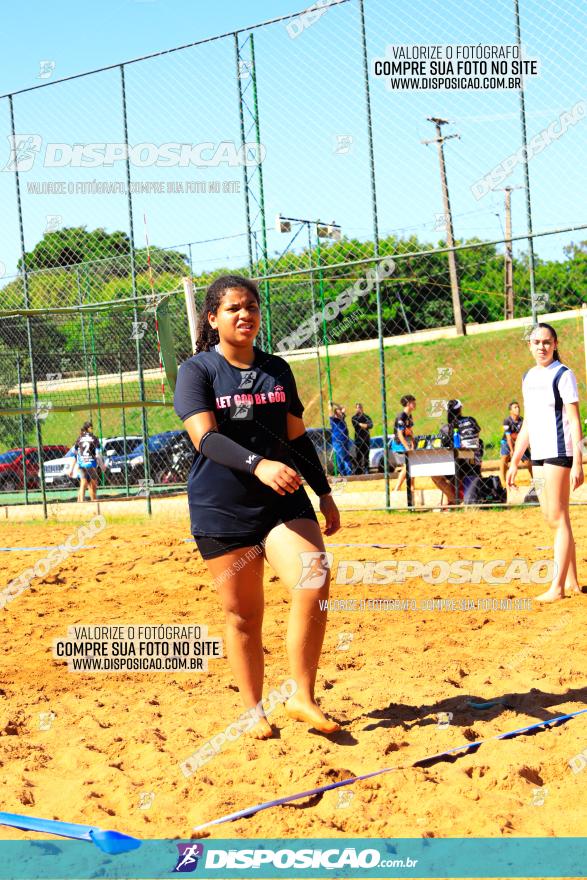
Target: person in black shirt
x=87 y=449
x=362 y=425
x=241 y=409
x=403 y=435
x=469 y=431
x=512 y=425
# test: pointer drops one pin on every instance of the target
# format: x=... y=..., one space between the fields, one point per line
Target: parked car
x=113 y=450
x=322 y=440
x=57 y=472
x=182 y=458
x=11 y=466
x=160 y=448
x=394 y=460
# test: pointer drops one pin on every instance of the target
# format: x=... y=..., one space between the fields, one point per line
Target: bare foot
x=261 y=730
x=572 y=589
x=552 y=595
x=302 y=709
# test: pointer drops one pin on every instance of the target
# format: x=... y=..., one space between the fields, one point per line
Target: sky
x=313 y=129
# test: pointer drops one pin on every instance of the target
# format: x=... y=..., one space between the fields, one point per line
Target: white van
x=57 y=472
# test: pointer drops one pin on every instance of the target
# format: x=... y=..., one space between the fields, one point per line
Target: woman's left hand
x=330 y=513
x=577 y=478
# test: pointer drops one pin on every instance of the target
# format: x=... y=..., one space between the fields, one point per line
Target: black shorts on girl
x=90 y=473
x=212 y=546
x=565 y=461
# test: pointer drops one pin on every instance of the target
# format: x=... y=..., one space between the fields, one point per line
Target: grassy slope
x=487 y=374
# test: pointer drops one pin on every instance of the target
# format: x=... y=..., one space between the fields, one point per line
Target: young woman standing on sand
x=552 y=428
x=243 y=414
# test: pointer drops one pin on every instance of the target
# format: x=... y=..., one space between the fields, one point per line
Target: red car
x=11 y=470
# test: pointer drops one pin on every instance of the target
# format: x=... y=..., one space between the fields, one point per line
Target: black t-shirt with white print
x=251 y=407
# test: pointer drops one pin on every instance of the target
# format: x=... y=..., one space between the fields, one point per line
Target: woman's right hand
x=511 y=475
x=278 y=476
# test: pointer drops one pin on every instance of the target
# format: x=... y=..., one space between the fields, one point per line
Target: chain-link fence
x=235 y=154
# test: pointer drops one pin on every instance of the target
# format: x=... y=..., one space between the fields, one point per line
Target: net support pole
x=190 y=307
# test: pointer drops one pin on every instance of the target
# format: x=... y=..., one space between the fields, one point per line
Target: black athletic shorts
x=565 y=461
x=211 y=546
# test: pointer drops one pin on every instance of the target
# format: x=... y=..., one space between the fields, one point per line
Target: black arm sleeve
x=304 y=454
x=225 y=451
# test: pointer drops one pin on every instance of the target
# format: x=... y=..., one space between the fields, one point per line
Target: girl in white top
x=552 y=429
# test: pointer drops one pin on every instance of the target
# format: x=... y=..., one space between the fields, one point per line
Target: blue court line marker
x=250 y=811
x=34 y=549
x=108 y=841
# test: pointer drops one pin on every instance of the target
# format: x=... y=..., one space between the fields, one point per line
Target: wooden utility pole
x=508 y=305
x=452 y=258
x=509 y=263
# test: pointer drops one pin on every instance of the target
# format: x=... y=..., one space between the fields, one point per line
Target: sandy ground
x=112 y=751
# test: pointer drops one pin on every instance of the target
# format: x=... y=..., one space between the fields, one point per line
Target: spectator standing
x=341 y=442
x=403 y=435
x=363 y=426
x=88 y=456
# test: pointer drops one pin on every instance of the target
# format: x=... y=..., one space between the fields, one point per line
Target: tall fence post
x=263 y=269
x=322 y=307
x=531 y=263
x=245 y=169
x=317 y=344
x=146 y=461
x=382 y=380
x=584 y=308
x=22 y=437
x=83 y=329
x=123 y=412
x=266 y=289
x=25 y=278
x=97 y=381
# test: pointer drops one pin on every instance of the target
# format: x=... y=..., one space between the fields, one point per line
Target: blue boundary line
x=250 y=811
x=108 y=841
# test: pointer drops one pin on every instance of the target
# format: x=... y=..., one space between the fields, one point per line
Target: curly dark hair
x=208 y=337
